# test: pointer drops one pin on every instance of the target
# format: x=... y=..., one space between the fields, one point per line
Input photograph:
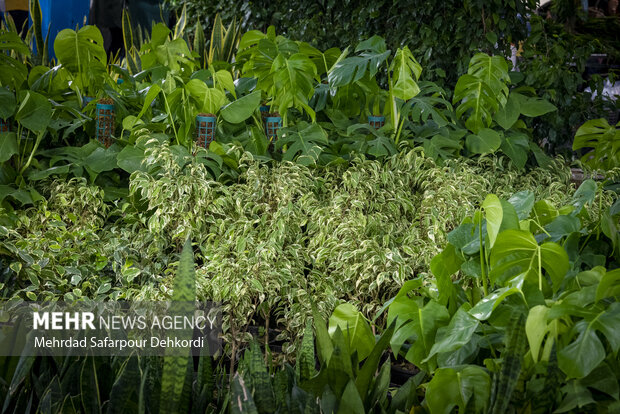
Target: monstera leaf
x=516 y=252
x=351 y=69
x=293 y=83
x=78 y=50
x=205 y=99
x=406 y=72
x=479 y=102
x=493 y=71
x=305 y=143
x=604 y=140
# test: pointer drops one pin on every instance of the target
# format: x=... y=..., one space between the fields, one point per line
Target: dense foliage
x=399 y=186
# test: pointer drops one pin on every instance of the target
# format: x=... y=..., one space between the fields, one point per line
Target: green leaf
x=609 y=285
x=483 y=309
x=493 y=71
x=35 y=111
x=585 y=194
x=8 y=104
x=493 y=210
x=406 y=72
x=130 y=159
x=534 y=107
x=124 y=386
x=517 y=252
x=351 y=402
x=603 y=139
x=516 y=146
x=355 y=329
x=101 y=160
x=523 y=202
x=485 y=142
x=8 y=146
x=205 y=99
x=452 y=388
x=536 y=329
x=583 y=355
x=304 y=143
x=241 y=109
x=458 y=333
x=478 y=100
x=507 y=115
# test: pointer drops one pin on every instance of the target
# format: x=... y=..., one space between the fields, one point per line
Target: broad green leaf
x=478 y=103
x=484 y=142
x=355 y=329
x=603 y=139
x=609 y=285
x=507 y=115
x=517 y=252
x=443 y=266
x=608 y=321
x=421 y=328
x=451 y=387
x=8 y=146
x=304 y=143
x=493 y=210
x=206 y=100
x=222 y=79
x=534 y=107
x=585 y=194
x=536 y=329
x=130 y=159
x=35 y=111
x=523 y=202
x=516 y=146
x=493 y=71
x=562 y=226
x=406 y=72
x=455 y=335
x=582 y=355
x=8 y=104
x=77 y=50
x=485 y=307
x=241 y=109
x=101 y=160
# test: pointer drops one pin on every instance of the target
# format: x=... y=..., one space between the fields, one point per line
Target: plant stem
x=482 y=258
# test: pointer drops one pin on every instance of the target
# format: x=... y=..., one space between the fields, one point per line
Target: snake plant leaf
x=124 y=386
x=486 y=141
x=493 y=71
x=479 y=102
x=351 y=402
x=516 y=252
x=406 y=72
